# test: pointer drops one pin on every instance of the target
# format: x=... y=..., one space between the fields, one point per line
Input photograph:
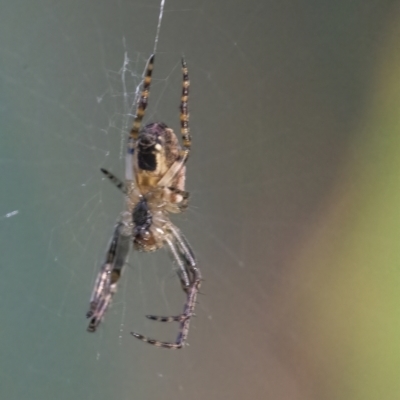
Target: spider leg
x=183 y=275
x=185 y=248
x=117 y=182
x=172 y=172
x=176 y=318
x=142 y=104
x=185 y=132
x=190 y=278
x=106 y=282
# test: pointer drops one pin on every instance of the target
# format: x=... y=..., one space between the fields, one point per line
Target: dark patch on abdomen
x=147 y=159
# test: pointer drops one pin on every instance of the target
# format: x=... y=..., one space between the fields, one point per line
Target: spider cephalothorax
x=154 y=187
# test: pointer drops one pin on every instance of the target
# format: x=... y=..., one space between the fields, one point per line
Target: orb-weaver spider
x=154 y=187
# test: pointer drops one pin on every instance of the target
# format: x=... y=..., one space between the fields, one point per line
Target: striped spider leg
x=106 y=282
x=154 y=187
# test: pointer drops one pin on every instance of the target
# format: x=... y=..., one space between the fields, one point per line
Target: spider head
x=142 y=220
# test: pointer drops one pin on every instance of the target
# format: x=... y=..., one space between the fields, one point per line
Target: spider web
x=71 y=210
x=280 y=93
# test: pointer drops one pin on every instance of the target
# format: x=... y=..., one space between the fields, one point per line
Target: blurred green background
x=294 y=214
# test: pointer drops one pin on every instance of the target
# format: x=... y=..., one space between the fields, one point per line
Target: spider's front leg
x=108 y=276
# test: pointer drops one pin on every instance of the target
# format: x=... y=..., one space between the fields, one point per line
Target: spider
x=153 y=188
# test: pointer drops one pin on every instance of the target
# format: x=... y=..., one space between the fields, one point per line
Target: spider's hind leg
x=108 y=276
x=184 y=277
x=176 y=318
x=190 y=278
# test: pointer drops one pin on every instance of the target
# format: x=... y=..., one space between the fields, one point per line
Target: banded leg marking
x=184 y=116
x=142 y=104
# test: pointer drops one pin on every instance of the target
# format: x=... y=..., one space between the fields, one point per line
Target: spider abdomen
x=156 y=150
